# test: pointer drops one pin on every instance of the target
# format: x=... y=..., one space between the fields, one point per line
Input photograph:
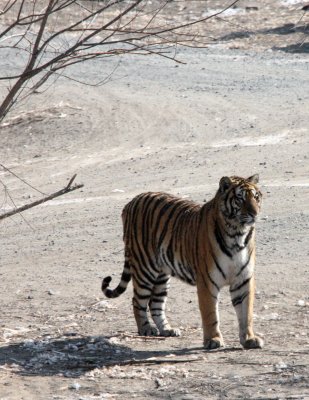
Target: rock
x=74 y=386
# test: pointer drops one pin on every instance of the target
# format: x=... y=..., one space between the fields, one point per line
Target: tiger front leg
x=208 y=302
x=242 y=299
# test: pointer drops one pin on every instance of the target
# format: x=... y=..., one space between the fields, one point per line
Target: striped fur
x=210 y=246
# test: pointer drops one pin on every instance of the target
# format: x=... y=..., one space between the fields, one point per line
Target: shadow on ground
x=286 y=29
x=75 y=356
x=295 y=48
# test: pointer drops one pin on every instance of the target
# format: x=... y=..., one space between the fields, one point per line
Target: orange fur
x=209 y=246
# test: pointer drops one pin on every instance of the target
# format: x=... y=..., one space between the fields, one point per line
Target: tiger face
x=210 y=246
x=240 y=199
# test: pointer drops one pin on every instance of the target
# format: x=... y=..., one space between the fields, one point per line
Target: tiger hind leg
x=157 y=306
x=140 y=308
x=143 y=286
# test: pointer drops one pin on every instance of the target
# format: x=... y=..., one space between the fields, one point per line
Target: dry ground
x=156 y=126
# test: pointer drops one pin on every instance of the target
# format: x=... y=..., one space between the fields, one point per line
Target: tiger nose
x=252 y=209
x=252 y=215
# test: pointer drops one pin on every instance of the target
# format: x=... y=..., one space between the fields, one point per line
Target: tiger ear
x=225 y=183
x=254 y=178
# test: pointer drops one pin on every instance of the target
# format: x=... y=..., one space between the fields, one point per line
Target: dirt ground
x=239 y=107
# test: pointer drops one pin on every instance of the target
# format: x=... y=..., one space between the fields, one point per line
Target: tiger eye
x=210 y=245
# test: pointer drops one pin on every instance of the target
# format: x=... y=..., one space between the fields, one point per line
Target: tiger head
x=239 y=199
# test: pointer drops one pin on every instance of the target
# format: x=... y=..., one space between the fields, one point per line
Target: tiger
x=210 y=246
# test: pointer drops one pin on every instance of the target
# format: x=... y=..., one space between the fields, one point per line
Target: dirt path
x=157 y=126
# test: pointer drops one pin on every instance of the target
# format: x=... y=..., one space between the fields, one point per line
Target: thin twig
x=50 y=50
x=65 y=190
x=21 y=179
x=91 y=362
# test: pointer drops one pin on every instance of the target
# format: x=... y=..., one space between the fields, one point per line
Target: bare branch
x=21 y=179
x=7 y=7
x=69 y=188
x=56 y=34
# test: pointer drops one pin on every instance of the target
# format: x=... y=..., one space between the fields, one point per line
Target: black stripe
x=246 y=241
x=165 y=208
x=211 y=280
x=139 y=256
x=218 y=266
x=166 y=262
x=183 y=273
x=249 y=236
x=146 y=211
x=143 y=287
x=245 y=264
x=158 y=308
x=221 y=242
x=195 y=250
x=135 y=213
x=142 y=296
x=233 y=235
x=143 y=284
x=157 y=200
x=142 y=254
x=182 y=255
x=237 y=247
x=205 y=283
x=178 y=226
x=239 y=299
x=155 y=219
x=138 y=307
x=241 y=285
x=163 y=293
x=147 y=214
x=170 y=253
x=162 y=280
x=106 y=281
x=233 y=227
x=176 y=205
x=179 y=241
x=126 y=277
x=182 y=270
x=111 y=294
x=143 y=276
x=119 y=290
x=226 y=203
x=155 y=300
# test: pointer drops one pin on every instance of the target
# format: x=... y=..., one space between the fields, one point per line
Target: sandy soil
x=155 y=126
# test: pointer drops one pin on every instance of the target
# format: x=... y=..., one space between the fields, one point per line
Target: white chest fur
x=235 y=256
x=242 y=264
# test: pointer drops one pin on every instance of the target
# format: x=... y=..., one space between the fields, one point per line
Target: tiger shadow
x=74 y=357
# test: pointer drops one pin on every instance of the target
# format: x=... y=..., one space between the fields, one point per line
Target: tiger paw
x=170 y=332
x=253 y=343
x=213 y=343
x=148 y=330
